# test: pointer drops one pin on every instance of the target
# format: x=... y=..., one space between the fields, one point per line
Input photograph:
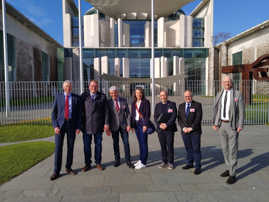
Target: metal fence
x=31 y=102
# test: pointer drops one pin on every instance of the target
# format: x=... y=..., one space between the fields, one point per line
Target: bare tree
x=221 y=36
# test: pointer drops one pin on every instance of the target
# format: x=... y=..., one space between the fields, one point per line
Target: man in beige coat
x=228 y=118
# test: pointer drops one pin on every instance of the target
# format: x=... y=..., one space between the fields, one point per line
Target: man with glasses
x=190 y=118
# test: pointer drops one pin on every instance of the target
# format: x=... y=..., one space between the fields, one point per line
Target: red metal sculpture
x=257 y=70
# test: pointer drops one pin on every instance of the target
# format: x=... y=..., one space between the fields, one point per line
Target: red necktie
x=117 y=106
x=66 y=108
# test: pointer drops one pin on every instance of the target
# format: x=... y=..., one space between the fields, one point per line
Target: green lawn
x=22 y=132
x=17 y=158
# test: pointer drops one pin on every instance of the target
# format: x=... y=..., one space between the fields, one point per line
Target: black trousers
x=59 y=140
x=166 y=139
x=124 y=137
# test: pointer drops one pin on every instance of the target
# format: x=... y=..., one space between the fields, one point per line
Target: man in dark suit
x=119 y=123
x=94 y=122
x=165 y=115
x=190 y=118
x=65 y=119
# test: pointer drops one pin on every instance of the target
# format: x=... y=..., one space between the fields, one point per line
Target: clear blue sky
x=233 y=16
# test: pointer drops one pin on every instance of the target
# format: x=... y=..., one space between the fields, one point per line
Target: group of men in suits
x=93 y=114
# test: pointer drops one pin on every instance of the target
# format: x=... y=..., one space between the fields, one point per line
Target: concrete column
x=157 y=67
x=120 y=30
x=209 y=72
x=67 y=30
x=189 y=31
x=182 y=31
x=125 y=68
x=161 y=32
x=178 y=70
x=91 y=31
x=104 y=65
x=126 y=35
x=148 y=34
x=96 y=67
x=164 y=67
x=68 y=68
x=112 y=33
x=117 y=66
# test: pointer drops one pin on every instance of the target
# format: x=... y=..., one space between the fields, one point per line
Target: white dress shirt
x=136 y=112
x=227 y=118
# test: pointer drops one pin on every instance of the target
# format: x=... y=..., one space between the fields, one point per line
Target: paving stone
x=151 y=184
x=149 y=197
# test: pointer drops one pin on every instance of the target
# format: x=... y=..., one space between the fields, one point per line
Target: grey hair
x=67 y=82
x=113 y=88
x=188 y=90
x=227 y=76
x=164 y=91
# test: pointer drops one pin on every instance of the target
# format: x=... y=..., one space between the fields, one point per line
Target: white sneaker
x=137 y=163
x=141 y=165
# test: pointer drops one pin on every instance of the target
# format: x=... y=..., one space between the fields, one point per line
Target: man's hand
x=77 y=132
x=185 y=130
x=145 y=129
x=239 y=130
x=215 y=128
x=57 y=130
x=128 y=128
x=189 y=130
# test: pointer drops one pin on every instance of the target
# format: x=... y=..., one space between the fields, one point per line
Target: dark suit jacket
x=194 y=119
x=168 y=117
x=144 y=110
x=121 y=118
x=94 y=114
x=57 y=115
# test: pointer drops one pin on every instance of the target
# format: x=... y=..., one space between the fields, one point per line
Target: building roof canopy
x=138 y=9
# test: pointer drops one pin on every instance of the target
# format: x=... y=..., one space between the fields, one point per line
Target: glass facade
x=137 y=33
x=198 y=32
x=139 y=60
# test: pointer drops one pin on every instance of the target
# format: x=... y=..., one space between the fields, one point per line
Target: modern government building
x=116 y=39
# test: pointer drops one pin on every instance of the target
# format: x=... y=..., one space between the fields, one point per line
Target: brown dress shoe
x=86 y=168
x=54 y=176
x=70 y=171
x=99 y=167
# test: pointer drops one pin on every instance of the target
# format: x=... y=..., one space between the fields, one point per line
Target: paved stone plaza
x=152 y=184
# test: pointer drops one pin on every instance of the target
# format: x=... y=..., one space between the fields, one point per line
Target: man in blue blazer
x=65 y=120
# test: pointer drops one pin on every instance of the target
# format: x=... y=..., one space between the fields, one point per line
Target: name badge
x=192 y=109
x=170 y=110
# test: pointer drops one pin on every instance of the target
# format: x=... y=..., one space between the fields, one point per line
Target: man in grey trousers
x=228 y=118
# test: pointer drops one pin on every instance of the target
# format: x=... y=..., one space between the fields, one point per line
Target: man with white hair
x=119 y=123
x=65 y=120
x=228 y=119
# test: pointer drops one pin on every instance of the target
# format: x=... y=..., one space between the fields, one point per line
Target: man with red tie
x=119 y=124
x=65 y=120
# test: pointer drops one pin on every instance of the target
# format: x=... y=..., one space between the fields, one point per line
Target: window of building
x=198 y=32
x=11 y=57
x=75 y=31
x=237 y=60
x=45 y=66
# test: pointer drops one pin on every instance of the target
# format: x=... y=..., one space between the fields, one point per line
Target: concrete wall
x=26 y=40
x=91 y=31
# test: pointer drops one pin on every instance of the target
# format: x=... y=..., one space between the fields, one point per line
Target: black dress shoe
x=231 y=180
x=86 y=168
x=225 y=174
x=129 y=164
x=187 y=167
x=197 y=171
x=117 y=163
x=70 y=171
x=54 y=176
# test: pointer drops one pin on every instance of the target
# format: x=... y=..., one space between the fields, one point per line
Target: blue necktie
x=187 y=110
x=92 y=97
